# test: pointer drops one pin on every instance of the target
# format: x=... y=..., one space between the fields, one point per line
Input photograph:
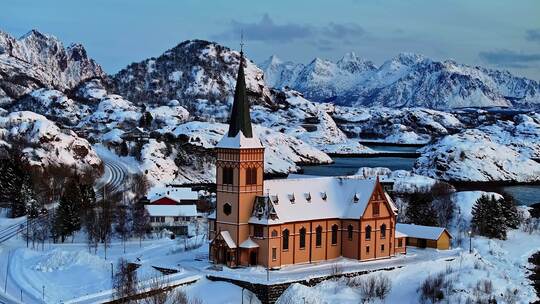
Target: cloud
x=343 y=30
x=533 y=35
x=508 y=58
x=267 y=30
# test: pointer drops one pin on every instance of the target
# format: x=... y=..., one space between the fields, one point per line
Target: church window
x=350 y=232
x=251 y=176
x=258 y=231
x=375 y=208
x=334 y=234
x=318 y=236
x=227 y=208
x=383 y=231
x=286 y=239
x=368 y=232
x=302 y=238
x=228 y=175
x=274 y=233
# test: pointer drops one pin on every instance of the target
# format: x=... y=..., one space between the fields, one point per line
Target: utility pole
x=470 y=241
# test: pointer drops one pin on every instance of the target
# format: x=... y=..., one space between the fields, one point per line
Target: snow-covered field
x=70 y=273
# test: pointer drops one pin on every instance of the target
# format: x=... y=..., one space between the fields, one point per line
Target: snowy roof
x=391 y=202
x=171 y=210
x=174 y=193
x=212 y=216
x=315 y=198
x=227 y=238
x=239 y=141
x=400 y=235
x=419 y=231
x=249 y=243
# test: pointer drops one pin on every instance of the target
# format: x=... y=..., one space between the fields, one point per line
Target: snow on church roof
x=228 y=239
x=249 y=243
x=420 y=232
x=316 y=198
x=239 y=141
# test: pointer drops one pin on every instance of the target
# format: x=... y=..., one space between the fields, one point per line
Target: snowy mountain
x=505 y=151
x=38 y=60
x=407 y=80
x=199 y=74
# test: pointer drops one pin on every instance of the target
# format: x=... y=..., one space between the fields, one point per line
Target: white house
x=178 y=219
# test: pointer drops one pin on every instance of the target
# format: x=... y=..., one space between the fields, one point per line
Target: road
x=114 y=176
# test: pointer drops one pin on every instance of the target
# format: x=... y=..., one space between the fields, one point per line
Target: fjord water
x=523 y=194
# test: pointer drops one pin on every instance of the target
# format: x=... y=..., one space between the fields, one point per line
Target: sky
x=491 y=33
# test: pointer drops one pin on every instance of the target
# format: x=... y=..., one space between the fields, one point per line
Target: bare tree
x=125 y=281
x=122 y=223
x=139 y=185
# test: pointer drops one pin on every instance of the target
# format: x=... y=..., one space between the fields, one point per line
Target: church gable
x=378 y=204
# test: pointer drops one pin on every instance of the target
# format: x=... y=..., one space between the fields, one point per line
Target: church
x=274 y=223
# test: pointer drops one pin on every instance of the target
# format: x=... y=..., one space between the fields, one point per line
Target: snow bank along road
x=113 y=178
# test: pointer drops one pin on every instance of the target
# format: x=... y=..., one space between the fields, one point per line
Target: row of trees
x=491 y=216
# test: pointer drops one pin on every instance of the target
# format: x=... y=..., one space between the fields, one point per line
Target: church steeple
x=240 y=120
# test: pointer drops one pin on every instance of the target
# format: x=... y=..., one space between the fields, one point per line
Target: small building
x=425 y=236
x=176 y=218
x=172 y=196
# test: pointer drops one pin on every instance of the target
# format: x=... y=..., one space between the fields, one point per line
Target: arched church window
x=368 y=232
x=335 y=229
x=383 y=231
x=318 y=236
x=286 y=239
x=302 y=238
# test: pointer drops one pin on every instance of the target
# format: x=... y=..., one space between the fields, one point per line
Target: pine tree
x=488 y=218
x=510 y=211
x=420 y=210
x=63 y=220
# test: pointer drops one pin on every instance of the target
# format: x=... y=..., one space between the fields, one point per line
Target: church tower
x=239 y=178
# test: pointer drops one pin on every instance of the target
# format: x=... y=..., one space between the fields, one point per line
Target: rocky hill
x=407 y=80
x=38 y=60
x=199 y=74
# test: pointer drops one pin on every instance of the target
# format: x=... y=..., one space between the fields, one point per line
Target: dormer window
x=291 y=198
x=308 y=196
x=324 y=196
x=274 y=199
x=356 y=198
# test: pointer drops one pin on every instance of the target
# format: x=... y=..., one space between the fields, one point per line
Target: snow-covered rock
x=307 y=121
x=45 y=144
x=55 y=105
x=406 y=125
x=166 y=162
x=404 y=181
x=504 y=151
x=38 y=60
x=407 y=80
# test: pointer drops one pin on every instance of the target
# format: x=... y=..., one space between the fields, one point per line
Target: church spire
x=240 y=118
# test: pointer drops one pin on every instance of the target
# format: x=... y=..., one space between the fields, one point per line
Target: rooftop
x=419 y=231
x=290 y=200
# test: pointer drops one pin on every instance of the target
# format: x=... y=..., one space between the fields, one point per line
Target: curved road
x=114 y=177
